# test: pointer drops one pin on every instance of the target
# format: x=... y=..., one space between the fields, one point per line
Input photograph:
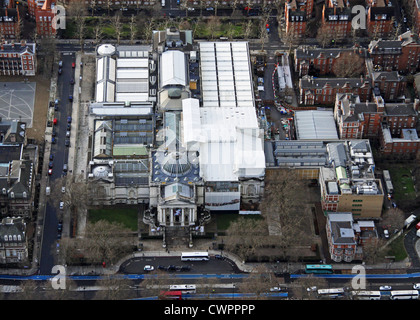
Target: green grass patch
x=397 y=249
x=126 y=216
x=403 y=182
x=223 y=220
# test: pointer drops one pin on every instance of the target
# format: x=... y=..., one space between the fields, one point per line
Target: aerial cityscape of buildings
x=295 y=122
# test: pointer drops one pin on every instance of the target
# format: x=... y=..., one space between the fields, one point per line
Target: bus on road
x=319 y=268
x=194 y=256
x=331 y=293
x=170 y=295
x=404 y=294
x=184 y=288
x=366 y=295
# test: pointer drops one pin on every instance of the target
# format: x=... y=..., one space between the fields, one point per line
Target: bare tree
x=92 y=6
x=374 y=250
x=349 y=65
x=324 y=35
x=246 y=236
x=133 y=29
x=259 y=282
x=113 y=289
x=283 y=207
x=117 y=25
x=75 y=197
x=263 y=34
x=234 y=5
x=98 y=31
x=248 y=29
x=302 y=287
x=393 y=219
x=213 y=25
x=77 y=11
x=104 y=241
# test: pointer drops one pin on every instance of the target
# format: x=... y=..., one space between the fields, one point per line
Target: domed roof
x=106 y=50
x=176 y=163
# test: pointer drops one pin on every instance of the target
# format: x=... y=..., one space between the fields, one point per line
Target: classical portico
x=173 y=215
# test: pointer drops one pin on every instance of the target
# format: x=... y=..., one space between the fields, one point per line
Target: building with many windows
x=402 y=54
x=380 y=18
x=43 y=12
x=17 y=58
x=11 y=23
x=313 y=91
x=13 y=241
x=336 y=19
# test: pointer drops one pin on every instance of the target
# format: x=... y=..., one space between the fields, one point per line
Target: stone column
x=183 y=217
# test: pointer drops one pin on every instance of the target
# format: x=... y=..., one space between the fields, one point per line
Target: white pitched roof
x=173 y=68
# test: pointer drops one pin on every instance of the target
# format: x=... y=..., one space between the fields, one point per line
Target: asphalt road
x=60 y=152
x=213 y=266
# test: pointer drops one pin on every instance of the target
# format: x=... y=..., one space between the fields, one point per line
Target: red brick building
x=43 y=13
x=379 y=18
x=336 y=18
x=357 y=120
x=296 y=17
x=324 y=90
x=321 y=61
x=10 y=23
x=396 y=55
x=17 y=59
x=406 y=143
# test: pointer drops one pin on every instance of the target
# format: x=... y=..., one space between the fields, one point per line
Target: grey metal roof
x=337 y=154
x=314 y=124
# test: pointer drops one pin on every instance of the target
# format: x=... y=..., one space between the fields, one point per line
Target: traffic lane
x=60 y=153
x=49 y=241
x=213 y=266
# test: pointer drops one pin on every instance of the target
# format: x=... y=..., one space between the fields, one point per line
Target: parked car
x=185 y=268
x=73 y=65
x=275 y=289
x=386 y=288
x=416 y=286
x=72 y=81
x=68 y=119
x=171 y=268
x=51 y=157
x=65 y=168
x=67 y=143
x=53 y=140
x=60 y=64
x=386 y=233
x=63 y=189
x=60 y=71
x=71 y=97
x=55 y=121
x=61 y=205
x=149 y=268
x=67 y=134
x=50 y=164
x=49 y=171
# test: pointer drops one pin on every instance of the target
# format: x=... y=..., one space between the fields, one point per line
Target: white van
x=163 y=3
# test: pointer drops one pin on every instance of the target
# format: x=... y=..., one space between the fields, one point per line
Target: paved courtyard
x=17 y=101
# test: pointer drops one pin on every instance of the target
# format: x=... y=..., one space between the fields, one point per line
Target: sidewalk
x=154 y=249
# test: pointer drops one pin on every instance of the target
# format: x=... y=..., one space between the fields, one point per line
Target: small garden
x=127 y=216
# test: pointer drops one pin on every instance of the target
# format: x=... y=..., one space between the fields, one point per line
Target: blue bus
x=319 y=268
